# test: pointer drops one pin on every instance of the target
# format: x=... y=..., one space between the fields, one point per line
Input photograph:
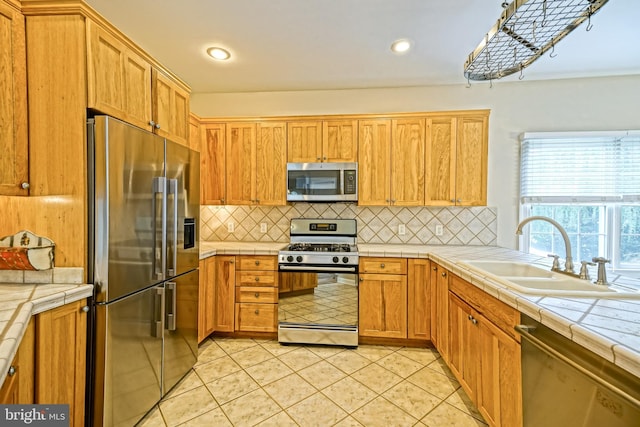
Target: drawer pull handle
x=257 y=294
x=257 y=312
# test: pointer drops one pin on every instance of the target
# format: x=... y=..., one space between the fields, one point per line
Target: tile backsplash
x=460 y=225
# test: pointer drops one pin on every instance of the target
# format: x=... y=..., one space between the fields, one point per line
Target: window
x=590 y=184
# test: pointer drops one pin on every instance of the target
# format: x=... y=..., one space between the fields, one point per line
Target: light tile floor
x=248 y=382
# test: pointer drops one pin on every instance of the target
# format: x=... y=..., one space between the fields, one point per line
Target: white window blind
x=580 y=167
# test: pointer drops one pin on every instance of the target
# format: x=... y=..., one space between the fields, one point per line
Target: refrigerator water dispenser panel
x=189 y=233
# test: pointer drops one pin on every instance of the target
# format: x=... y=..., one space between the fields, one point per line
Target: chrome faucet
x=568 y=262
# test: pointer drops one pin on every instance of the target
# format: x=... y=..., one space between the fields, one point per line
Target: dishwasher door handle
x=525 y=332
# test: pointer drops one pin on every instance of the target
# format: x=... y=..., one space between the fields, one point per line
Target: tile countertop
x=21 y=298
x=610 y=327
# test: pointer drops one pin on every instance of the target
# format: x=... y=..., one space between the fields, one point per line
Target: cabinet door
x=206 y=298
x=464 y=359
x=382 y=306
x=418 y=300
x=374 y=139
x=340 y=141
x=212 y=164
x=499 y=398
x=304 y=142
x=440 y=161
x=14 y=162
x=119 y=81
x=240 y=143
x=407 y=162
x=442 y=311
x=225 y=293
x=271 y=165
x=471 y=161
x=61 y=346
x=18 y=388
x=170 y=108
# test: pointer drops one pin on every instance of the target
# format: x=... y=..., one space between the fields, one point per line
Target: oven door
x=318 y=307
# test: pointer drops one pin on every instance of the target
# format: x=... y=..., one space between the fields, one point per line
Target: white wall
x=519 y=106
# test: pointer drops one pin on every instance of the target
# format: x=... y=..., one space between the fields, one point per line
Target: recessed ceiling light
x=218 y=53
x=401 y=46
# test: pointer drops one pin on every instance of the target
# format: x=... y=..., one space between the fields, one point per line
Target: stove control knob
x=345 y=259
x=290 y=258
x=335 y=259
x=299 y=258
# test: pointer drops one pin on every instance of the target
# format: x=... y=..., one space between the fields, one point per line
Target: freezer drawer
x=128 y=358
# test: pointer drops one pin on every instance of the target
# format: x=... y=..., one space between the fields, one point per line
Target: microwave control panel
x=350 y=181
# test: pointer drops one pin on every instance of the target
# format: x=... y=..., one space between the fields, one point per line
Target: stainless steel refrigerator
x=143 y=240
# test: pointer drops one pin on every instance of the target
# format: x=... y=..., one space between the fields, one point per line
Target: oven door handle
x=317 y=269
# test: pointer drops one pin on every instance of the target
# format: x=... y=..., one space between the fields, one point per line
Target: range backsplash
x=460 y=225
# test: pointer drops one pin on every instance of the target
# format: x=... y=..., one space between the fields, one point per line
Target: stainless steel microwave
x=322 y=182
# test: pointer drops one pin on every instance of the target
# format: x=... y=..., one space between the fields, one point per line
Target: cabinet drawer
x=257 y=278
x=256 y=294
x=256 y=317
x=261 y=262
x=502 y=315
x=383 y=265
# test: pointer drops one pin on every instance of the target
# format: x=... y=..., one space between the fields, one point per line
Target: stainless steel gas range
x=318 y=301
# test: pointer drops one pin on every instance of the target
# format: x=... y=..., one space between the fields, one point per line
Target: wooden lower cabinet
x=484 y=358
x=225 y=284
x=439 y=304
x=256 y=294
x=60 y=358
x=206 y=298
x=418 y=299
x=18 y=387
x=292 y=281
x=382 y=307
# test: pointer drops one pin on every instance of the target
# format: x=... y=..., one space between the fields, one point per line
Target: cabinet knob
x=12 y=371
x=459 y=200
x=257 y=279
x=474 y=321
x=257 y=312
x=25 y=185
x=318 y=158
x=157 y=125
x=453 y=200
x=361 y=279
x=435 y=268
x=85 y=309
x=324 y=158
x=152 y=123
x=258 y=262
x=257 y=294
x=231 y=262
x=444 y=274
x=381 y=265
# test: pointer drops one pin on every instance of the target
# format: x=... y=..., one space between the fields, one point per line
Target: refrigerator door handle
x=173 y=233
x=159 y=250
x=157 y=323
x=171 y=308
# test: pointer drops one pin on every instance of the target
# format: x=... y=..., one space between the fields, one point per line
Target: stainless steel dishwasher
x=565 y=385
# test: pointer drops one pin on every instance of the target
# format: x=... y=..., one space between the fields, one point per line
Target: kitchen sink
x=529 y=279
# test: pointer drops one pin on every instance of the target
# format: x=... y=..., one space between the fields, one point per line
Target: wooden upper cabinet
x=170 y=108
x=374 y=139
x=270 y=164
x=212 y=164
x=14 y=162
x=240 y=140
x=119 y=80
x=304 y=142
x=340 y=141
x=471 y=161
x=194 y=132
x=407 y=162
x=457 y=149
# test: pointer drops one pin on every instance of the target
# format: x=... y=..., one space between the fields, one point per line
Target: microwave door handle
x=340 y=189
x=159 y=247
x=172 y=247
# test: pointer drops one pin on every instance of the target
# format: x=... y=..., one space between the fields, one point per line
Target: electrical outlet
x=402 y=230
x=231 y=227
x=263 y=227
x=439 y=230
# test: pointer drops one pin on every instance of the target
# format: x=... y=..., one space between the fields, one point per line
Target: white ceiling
x=281 y=45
